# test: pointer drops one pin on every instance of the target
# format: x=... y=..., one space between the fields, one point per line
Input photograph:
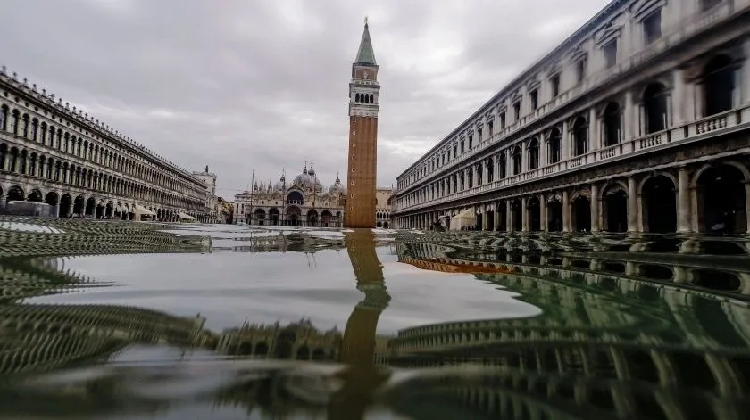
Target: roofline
x=574 y=38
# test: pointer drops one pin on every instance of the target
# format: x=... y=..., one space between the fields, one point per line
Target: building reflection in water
x=629 y=329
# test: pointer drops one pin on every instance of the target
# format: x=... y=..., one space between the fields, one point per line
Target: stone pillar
x=745 y=86
x=496 y=216
x=683 y=201
x=508 y=217
x=678 y=97
x=632 y=205
x=484 y=220
x=594 y=204
x=565 y=142
x=566 y=220
x=542 y=213
x=747 y=207
x=594 y=139
x=628 y=123
x=524 y=216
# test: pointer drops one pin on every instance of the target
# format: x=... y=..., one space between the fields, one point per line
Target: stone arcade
x=637 y=122
x=54 y=153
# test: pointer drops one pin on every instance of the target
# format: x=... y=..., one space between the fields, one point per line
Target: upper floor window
x=516 y=111
x=534 y=98
x=652 y=27
x=502 y=120
x=581 y=68
x=708 y=4
x=610 y=53
x=554 y=82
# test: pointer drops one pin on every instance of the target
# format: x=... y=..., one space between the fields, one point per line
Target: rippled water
x=121 y=320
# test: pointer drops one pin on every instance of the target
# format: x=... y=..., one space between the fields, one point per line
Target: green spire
x=365 y=55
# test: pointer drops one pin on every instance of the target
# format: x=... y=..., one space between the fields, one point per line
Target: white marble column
x=565 y=142
x=496 y=216
x=629 y=128
x=594 y=204
x=524 y=216
x=594 y=139
x=566 y=219
x=745 y=85
x=683 y=201
x=632 y=205
x=542 y=213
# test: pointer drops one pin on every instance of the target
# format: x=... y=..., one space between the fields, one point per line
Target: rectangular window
x=516 y=111
x=610 y=53
x=581 y=68
x=652 y=27
x=534 y=98
x=502 y=120
x=554 y=82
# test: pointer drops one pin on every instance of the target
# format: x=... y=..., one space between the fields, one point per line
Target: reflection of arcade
x=609 y=345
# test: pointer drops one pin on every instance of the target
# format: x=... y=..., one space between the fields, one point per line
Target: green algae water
x=122 y=320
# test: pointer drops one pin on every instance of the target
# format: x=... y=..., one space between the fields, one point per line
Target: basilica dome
x=307 y=180
x=337 y=188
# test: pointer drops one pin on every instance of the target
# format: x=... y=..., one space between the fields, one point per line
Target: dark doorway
x=659 y=205
x=721 y=199
x=581 y=214
x=534 y=210
x=615 y=205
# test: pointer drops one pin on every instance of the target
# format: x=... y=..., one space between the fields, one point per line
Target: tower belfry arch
x=361 y=174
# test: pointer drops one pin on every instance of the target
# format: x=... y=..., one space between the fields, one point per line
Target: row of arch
x=718 y=86
x=51 y=168
x=364 y=98
x=30 y=128
x=293 y=217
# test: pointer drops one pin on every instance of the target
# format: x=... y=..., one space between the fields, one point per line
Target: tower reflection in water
x=618 y=338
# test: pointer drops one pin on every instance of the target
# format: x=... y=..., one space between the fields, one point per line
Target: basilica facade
x=302 y=201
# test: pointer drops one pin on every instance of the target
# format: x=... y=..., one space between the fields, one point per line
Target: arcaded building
x=639 y=122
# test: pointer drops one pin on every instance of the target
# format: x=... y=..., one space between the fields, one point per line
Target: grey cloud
x=262 y=85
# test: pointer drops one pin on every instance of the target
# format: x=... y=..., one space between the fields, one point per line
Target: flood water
x=118 y=320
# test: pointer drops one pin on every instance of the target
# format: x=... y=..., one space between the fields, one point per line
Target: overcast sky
x=263 y=84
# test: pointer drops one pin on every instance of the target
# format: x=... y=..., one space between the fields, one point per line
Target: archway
x=295 y=197
x=274 y=216
x=259 y=217
x=100 y=210
x=533 y=208
x=516 y=215
x=312 y=218
x=261 y=349
x=659 y=205
x=615 y=209
x=580 y=136
x=502 y=217
x=554 y=213
x=90 y=206
x=51 y=198
x=293 y=216
x=718 y=84
x=35 y=196
x=15 y=193
x=79 y=205
x=655 y=107
x=721 y=199
x=612 y=121
x=490 y=220
x=581 y=213
x=554 y=148
x=325 y=218
x=66 y=204
x=109 y=210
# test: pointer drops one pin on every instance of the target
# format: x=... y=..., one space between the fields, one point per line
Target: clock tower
x=361 y=173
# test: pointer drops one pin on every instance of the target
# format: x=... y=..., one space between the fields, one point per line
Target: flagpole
x=252 y=191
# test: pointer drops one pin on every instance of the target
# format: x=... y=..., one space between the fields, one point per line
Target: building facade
x=364 y=92
x=303 y=202
x=637 y=122
x=211 y=213
x=52 y=152
x=383 y=207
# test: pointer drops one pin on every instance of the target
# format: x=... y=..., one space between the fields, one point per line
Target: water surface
x=131 y=320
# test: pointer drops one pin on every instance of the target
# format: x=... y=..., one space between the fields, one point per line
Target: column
x=565 y=142
x=484 y=220
x=594 y=139
x=628 y=122
x=508 y=217
x=745 y=85
x=678 y=97
x=632 y=205
x=683 y=201
x=594 y=202
x=524 y=216
x=542 y=213
x=496 y=216
x=566 y=223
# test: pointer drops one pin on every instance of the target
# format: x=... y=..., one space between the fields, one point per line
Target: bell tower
x=361 y=173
